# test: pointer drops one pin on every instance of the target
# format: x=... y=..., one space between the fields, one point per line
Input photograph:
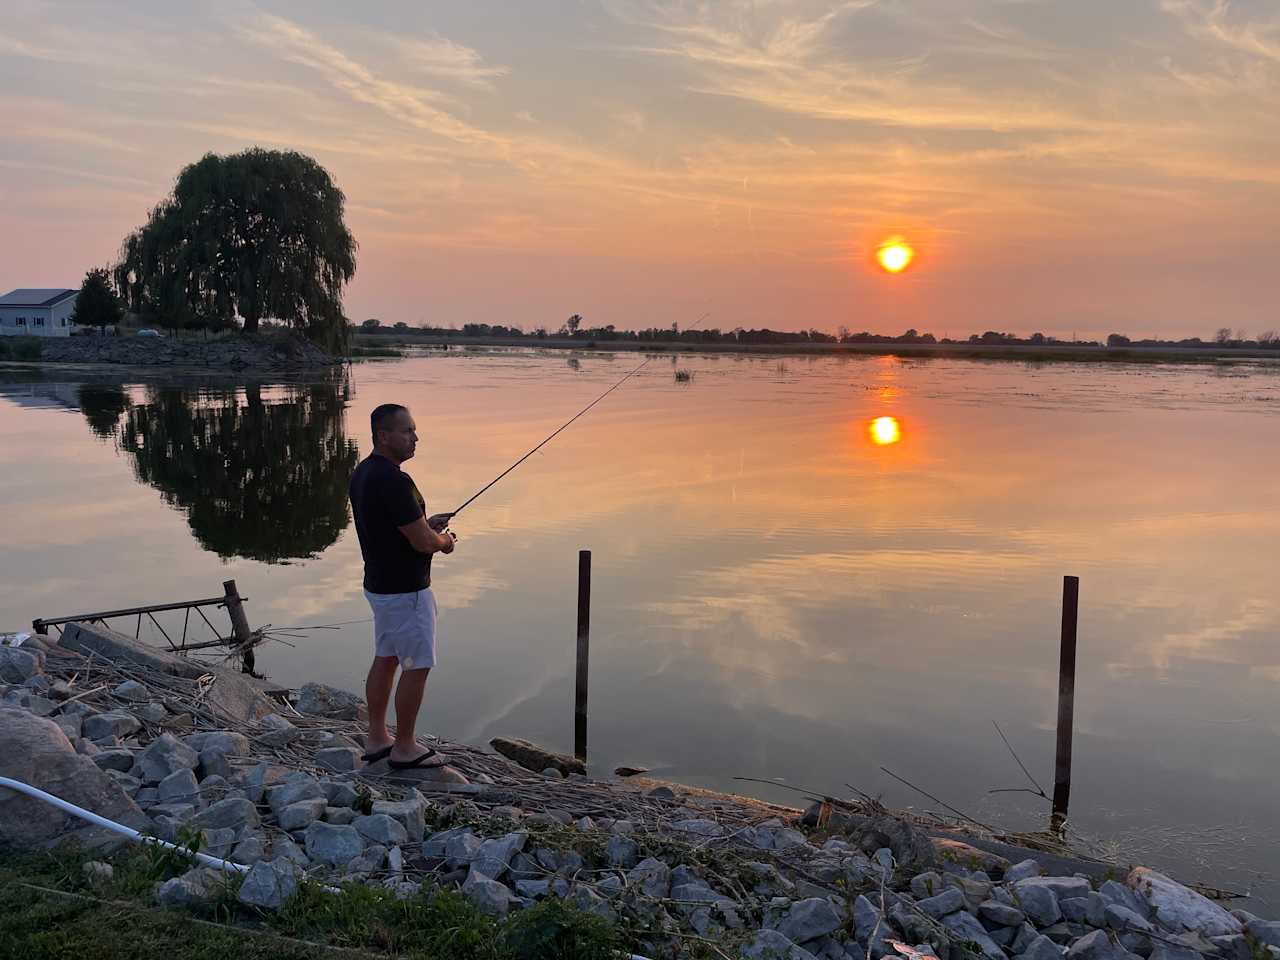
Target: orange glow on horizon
x=884 y=431
x=895 y=255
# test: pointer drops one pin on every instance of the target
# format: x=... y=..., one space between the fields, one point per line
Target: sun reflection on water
x=885 y=430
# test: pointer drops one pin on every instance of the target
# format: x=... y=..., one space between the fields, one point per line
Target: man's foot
x=375 y=750
x=422 y=757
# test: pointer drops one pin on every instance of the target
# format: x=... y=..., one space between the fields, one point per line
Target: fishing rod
x=475 y=496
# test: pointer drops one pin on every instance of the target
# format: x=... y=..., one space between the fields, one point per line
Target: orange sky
x=1071 y=168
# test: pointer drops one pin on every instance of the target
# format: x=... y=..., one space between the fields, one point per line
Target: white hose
x=132 y=834
x=119 y=828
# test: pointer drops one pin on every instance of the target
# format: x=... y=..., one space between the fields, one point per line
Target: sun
x=895 y=255
x=884 y=431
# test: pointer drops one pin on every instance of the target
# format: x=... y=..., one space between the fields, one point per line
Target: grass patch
x=70 y=918
x=20 y=348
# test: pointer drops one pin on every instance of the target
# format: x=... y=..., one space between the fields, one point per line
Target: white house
x=37 y=313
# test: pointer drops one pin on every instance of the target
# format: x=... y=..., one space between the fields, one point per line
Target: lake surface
x=776 y=595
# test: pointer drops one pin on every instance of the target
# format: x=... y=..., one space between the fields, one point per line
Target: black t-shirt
x=383 y=499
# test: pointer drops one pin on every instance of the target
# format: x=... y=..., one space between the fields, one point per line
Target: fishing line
x=564 y=425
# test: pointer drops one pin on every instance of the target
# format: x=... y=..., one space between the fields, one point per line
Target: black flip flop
x=432 y=758
x=377 y=755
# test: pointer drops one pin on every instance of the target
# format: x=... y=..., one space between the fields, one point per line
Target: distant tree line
x=575 y=328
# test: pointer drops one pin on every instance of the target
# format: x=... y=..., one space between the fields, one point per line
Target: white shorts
x=404 y=626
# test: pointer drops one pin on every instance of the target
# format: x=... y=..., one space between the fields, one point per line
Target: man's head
x=394 y=433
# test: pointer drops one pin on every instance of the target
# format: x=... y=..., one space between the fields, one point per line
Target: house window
x=22 y=321
x=63 y=322
x=39 y=321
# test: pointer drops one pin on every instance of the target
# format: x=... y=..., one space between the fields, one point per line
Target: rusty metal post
x=1066 y=703
x=240 y=631
x=584 y=631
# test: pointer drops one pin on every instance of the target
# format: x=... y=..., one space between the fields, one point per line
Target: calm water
x=775 y=595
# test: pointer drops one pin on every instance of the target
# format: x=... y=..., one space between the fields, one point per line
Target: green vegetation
x=50 y=911
x=97 y=305
x=255 y=234
x=20 y=348
x=360 y=353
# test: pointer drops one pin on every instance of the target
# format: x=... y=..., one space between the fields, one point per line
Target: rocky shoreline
x=272 y=779
x=265 y=352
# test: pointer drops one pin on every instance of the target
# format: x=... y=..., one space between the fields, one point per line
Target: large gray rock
x=118 y=759
x=297 y=816
x=34 y=751
x=1097 y=946
x=1180 y=908
x=533 y=757
x=487 y=894
x=292 y=791
x=772 y=945
x=338 y=793
x=233 y=813
x=965 y=926
x=588 y=901
x=1022 y=870
x=809 y=919
x=1042 y=948
x=193 y=888
x=276 y=731
x=622 y=852
x=17 y=665
x=1039 y=903
x=164 y=756
x=494 y=855
x=948 y=901
x=103 y=726
x=223 y=741
x=179 y=787
x=321 y=700
x=116 y=647
x=992 y=912
x=338 y=759
x=1062 y=887
x=256 y=780
x=269 y=884
x=333 y=844
x=652 y=877
x=410 y=813
x=380 y=828
x=132 y=691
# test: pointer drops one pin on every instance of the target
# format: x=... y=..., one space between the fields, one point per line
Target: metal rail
x=231 y=600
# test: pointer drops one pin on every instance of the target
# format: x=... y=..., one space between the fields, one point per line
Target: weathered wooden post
x=1066 y=703
x=584 y=631
x=240 y=631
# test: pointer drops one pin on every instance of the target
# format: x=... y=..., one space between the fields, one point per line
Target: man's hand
x=438 y=521
x=452 y=539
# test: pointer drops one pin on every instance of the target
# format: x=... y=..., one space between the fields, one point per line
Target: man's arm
x=425 y=540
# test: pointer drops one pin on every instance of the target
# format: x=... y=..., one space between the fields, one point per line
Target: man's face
x=401 y=437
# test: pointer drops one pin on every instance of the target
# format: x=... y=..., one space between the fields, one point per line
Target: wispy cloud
x=440 y=57
x=408 y=104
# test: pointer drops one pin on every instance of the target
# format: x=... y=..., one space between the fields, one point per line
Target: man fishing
x=397 y=541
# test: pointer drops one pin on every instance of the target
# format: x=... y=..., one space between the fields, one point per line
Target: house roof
x=36 y=297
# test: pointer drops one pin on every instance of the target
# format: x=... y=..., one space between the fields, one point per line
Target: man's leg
x=377 y=693
x=408 y=702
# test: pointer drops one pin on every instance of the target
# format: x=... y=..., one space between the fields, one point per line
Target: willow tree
x=255 y=235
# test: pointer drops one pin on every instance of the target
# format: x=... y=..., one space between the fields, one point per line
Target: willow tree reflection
x=260 y=478
x=102 y=404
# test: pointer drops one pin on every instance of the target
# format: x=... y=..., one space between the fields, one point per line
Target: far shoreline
x=964 y=351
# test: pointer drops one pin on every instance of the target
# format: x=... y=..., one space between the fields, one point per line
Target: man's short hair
x=382 y=416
